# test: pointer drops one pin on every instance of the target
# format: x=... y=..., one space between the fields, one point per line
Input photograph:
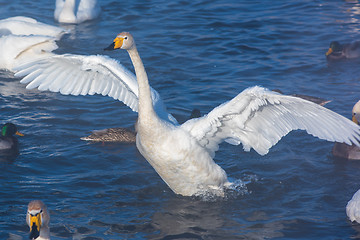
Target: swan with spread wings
x=183 y=154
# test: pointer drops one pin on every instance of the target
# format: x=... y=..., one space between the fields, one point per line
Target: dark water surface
x=198 y=54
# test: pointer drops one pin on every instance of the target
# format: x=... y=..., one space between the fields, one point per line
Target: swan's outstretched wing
x=259 y=118
x=87 y=75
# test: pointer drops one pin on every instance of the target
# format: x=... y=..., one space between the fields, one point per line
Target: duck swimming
x=183 y=155
x=38 y=218
x=346 y=151
x=8 y=142
x=347 y=51
x=123 y=135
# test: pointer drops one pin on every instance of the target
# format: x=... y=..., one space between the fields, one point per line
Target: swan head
x=123 y=40
x=356 y=113
x=37 y=217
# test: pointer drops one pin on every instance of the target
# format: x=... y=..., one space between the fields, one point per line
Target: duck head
x=10 y=129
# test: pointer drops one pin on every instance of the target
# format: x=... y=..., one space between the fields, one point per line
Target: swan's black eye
x=125 y=38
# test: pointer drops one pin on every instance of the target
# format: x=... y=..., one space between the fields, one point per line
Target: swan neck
x=145 y=101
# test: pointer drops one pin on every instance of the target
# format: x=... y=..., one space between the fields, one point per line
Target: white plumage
x=353 y=208
x=183 y=155
x=87 y=75
x=24 y=39
x=71 y=11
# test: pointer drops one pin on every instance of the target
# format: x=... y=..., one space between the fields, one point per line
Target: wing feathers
x=82 y=75
x=259 y=118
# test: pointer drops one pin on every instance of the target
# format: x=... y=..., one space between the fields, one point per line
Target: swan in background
x=343 y=150
x=24 y=39
x=353 y=208
x=38 y=218
x=20 y=25
x=346 y=51
x=183 y=154
x=70 y=11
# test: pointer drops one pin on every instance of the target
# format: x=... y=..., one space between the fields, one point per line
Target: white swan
x=38 y=218
x=353 y=208
x=24 y=39
x=183 y=155
x=65 y=11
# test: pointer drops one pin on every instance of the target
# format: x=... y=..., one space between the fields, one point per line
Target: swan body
x=183 y=154
x=69 y=11
x=347 y=51
x=82 y=75
x=33 y=40
x=38 y=218
x=353 y=208
x=344 y=150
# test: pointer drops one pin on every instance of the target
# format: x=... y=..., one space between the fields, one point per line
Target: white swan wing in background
x=87 y=75
x=24 y=39
x=353 y=208
x=28 y=26
x=26 y=48
x=65 y=11
x=258 y=118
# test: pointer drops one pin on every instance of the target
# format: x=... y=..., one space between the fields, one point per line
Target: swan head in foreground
x=38 y=218
x=123 y=40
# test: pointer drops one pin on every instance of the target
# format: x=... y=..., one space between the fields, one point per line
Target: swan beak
x=35 y=223
x=355 y=120
x=110 y=47
x=118 y=42
x=329 y=52
x=19 y=134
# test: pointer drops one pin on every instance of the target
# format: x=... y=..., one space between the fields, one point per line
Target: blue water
x=198 y=54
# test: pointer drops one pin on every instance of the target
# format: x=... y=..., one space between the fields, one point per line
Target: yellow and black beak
x=35 y=224
x=117 y=43
x=329 y=52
